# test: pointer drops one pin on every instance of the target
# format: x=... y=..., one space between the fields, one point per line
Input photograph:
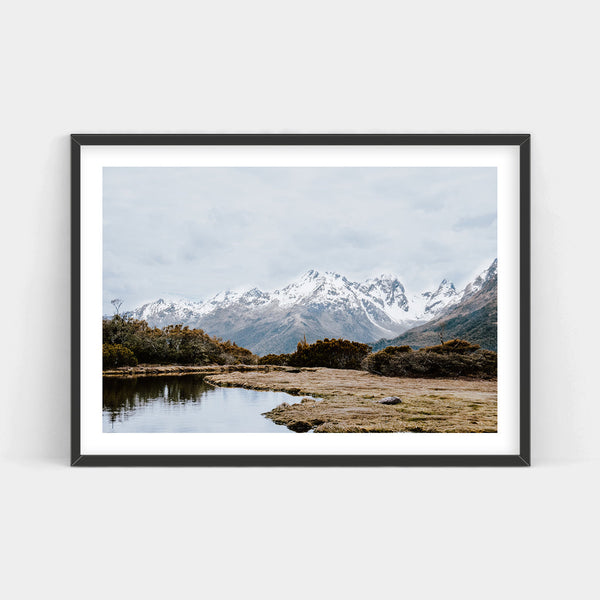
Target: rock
x=390 y=400
x=300 y=426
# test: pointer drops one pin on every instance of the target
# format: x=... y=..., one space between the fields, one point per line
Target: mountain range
x=319 y=305
x=473 y=318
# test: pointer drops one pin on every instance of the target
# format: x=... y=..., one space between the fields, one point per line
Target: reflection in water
x=185 y=403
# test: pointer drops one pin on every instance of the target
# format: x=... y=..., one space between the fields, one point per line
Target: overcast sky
x=192 y=232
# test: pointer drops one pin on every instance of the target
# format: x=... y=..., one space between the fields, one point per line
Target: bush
x=116 y=355
x=379 y=362
x=334 y=354
x=397 y=349
x=236 y=354
x=174 y=344
x=457 y=358
x=457 y=346
x=274 y=359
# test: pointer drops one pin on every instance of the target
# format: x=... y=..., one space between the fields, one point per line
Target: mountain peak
x=328 y=275
x=318 y=304
x=481 y=279
x=446 y=285
x=383 y=277
x=310 y=274
x=312 y=278
x=332 y=275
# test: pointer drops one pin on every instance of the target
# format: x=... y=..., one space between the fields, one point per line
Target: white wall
x=117 y=66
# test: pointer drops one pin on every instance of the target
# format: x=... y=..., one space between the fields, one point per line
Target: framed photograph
x=300 y=300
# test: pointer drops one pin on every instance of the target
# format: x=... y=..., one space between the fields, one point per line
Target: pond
x=186 y=404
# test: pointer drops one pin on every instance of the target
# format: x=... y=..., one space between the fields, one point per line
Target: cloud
x=191 y=232
x=474 y=222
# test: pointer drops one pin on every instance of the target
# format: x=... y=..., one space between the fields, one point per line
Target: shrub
x=457 y=346
x=378 y=362
x=397 y=349
x=334 y=354
x=174 y=344
x=457 y=358
x=116 y=355
x=274 y=359
x=236 y=354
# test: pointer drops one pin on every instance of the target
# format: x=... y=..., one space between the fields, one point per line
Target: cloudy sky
x=192 y=232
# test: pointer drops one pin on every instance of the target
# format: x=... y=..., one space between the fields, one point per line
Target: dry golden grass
x=348 y=405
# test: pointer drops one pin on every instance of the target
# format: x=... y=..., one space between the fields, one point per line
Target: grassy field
x=349 y=401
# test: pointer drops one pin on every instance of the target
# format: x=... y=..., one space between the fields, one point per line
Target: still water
x=185 y=404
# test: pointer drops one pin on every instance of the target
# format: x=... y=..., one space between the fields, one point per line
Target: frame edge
x=302 y=139
x=525 y=291
x=524 y=456
x=75 y=300
x=318 y=461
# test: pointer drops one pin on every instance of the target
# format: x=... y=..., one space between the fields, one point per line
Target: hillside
x=474 y=319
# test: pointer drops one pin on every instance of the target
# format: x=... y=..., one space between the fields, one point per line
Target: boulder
x=390 y=400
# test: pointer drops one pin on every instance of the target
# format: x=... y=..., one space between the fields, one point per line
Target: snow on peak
x=384 y=277
x=444 y=296
x=310 y=274
x=388 y=293
x=474 y=286
x=311 y=284
x=381 y=297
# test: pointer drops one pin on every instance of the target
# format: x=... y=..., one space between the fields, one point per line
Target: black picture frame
x=522 y=141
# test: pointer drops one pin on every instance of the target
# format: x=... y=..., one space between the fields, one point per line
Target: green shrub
x=174 y=344
x=274 y=359
x=116 y=355
x=457 y=358
x=397 y=349
x=334 y=354
x=457 y=346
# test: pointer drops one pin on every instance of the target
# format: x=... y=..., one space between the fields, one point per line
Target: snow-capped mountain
x=317 y=305
x=169 y=313
x=474 y=317
x=472 y=288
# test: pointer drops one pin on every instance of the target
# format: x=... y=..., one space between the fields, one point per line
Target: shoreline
x=348 y=401
x=158 y=370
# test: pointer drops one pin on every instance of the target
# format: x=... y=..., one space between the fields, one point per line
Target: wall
x=297 y=67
